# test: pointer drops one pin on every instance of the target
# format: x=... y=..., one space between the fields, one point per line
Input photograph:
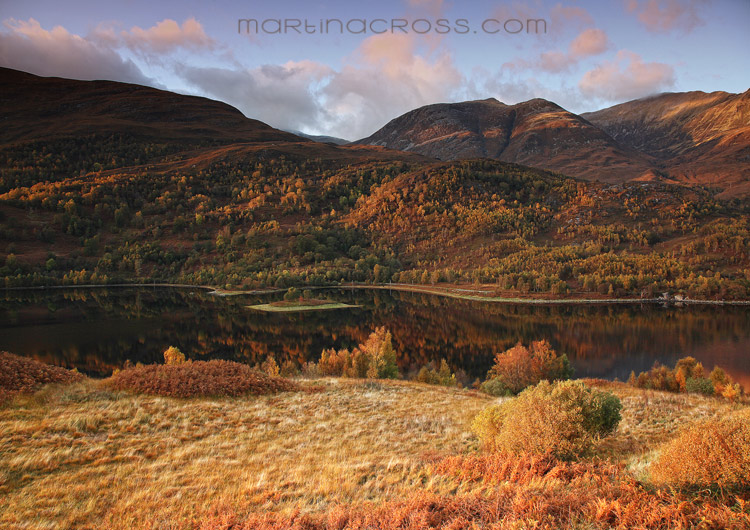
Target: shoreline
x=403 y=287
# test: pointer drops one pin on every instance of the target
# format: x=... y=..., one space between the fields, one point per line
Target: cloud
x=588 y=43
x=663 y=16
x=386 y=76
x=625 y=78
x=25 y=45
x=162 y=38
x=506 y=87
x=282 y=95
x=405 y=78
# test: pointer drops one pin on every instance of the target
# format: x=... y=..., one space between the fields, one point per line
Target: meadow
x=333 y=453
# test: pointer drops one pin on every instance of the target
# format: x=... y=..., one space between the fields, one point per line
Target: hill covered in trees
x=265 y=210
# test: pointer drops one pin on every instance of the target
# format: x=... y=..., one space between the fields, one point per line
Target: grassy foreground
x=83 y=456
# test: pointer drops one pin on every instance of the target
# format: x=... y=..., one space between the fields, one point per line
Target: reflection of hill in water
x=97 y=330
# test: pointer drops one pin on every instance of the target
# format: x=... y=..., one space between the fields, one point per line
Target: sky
x=391 y=56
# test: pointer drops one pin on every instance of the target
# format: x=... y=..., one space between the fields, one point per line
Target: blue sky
x=593 y=54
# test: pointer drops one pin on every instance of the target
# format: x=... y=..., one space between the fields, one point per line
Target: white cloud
x=281 y=95
x=627 y=77
x=25 y=45
x=386 y=76
x=162 y=38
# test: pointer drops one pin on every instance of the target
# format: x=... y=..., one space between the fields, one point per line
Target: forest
x=116 y=209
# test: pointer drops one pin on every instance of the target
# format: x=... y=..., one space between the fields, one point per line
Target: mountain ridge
x=690 y=138
x=537 y=133
x=694 y=137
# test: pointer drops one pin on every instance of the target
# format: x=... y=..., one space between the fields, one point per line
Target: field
x=85 y=456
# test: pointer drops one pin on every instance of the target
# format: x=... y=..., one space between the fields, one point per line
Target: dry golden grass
x=83 y=456
x=650 y=418
x=513 y=492
x=87 y=457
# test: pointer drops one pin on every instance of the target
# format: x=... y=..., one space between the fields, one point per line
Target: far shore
x=461 y=292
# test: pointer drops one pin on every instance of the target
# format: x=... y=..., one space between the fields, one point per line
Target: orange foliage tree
x=521 y=366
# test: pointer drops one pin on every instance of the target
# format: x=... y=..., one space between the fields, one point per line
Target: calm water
x=97 y=330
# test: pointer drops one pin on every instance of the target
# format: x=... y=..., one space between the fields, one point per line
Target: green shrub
x=442 y=376
x=564 y=420
x=699 y=385
x=495 y=387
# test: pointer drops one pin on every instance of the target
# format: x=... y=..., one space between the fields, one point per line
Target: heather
x=199 y=378
x=709 y=453
x=23 y=375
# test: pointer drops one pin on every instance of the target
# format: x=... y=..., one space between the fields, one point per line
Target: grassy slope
x=83 y=457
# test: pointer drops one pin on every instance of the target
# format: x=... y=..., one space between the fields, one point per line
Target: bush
x=22 y=374
x=710 y=453
x=699 y=385
x=442 y=376
x=173 y=355
x=334 y=362
x=688 y=376
x=495 y=387
x=289 y=369
x=270 y=367
x=563 y=420
x=292 y=294
x=375 y=359
x=724 y=386
x=520 y=367
x=199 y=378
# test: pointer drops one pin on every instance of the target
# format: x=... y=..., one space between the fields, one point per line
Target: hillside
x=85 y=456
x=205 y=209
x=322 y=138
x=43 y=108
x=693 y=137
x=535 y=133
x=56 y=128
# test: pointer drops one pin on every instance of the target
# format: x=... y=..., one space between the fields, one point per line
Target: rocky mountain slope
x=536 y=133
x=693 y=137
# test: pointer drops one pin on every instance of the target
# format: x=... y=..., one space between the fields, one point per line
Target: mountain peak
x=537 y=132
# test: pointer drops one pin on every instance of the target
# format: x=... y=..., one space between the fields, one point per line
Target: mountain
x=535 y=133
x=693 y=137
x=53 y=128
x=106 y=182
x=34 y=108
x=321 y=138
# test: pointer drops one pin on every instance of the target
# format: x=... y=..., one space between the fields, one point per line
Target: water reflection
x=96 y=330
